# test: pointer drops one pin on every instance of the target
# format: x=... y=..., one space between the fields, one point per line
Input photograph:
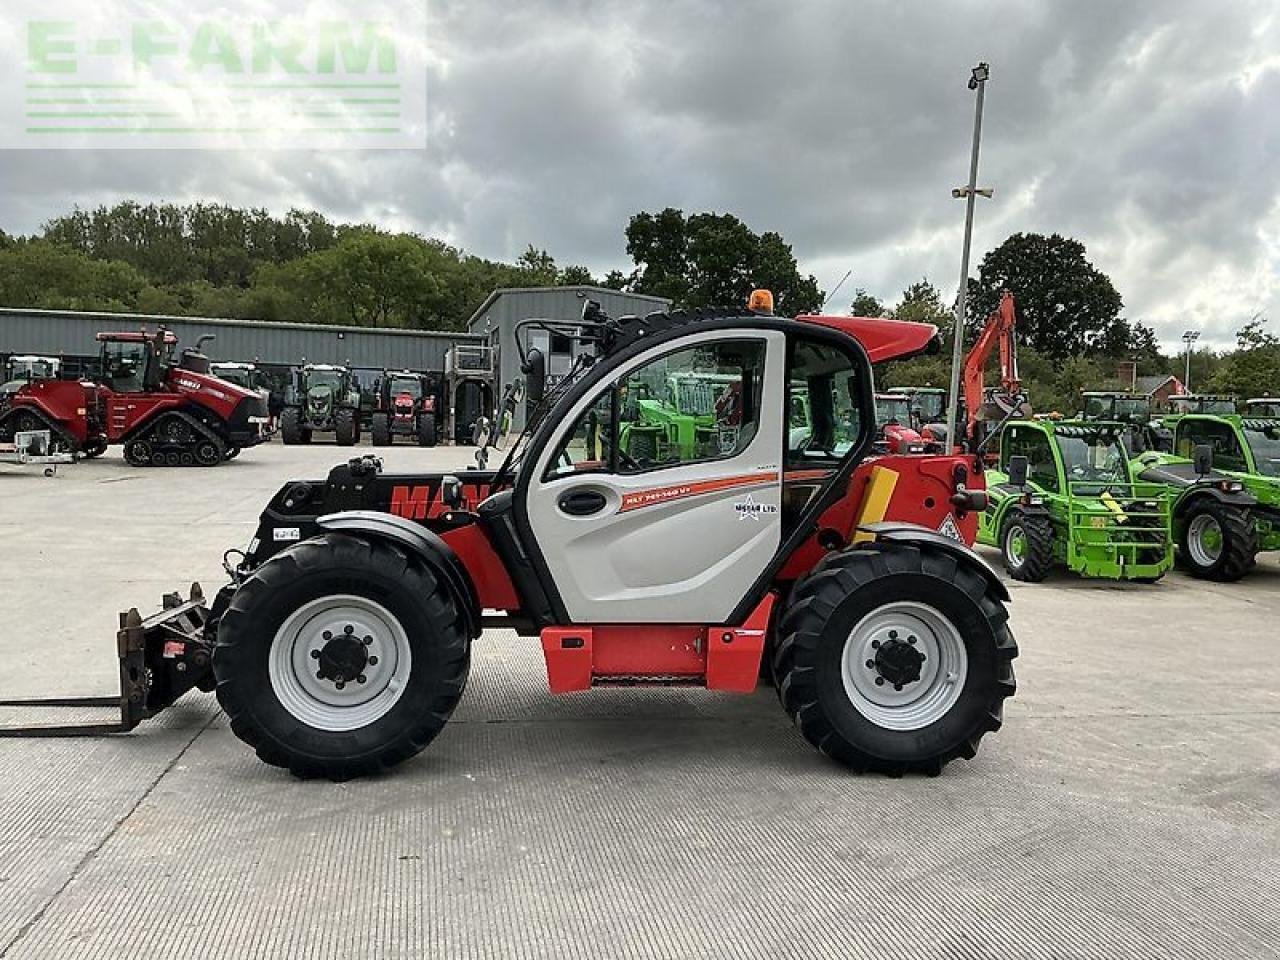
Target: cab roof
x=134 y=336
x=883 y=339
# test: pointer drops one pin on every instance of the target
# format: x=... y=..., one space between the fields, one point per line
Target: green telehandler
x=1224 y=471
x=1061 y=495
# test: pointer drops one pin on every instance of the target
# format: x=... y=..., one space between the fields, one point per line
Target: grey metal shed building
x=497 y=317
x=68 y=333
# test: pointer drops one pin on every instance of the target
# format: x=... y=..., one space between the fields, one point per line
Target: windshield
x=404 y=385
x=33 y=370
x=1092 y=458
x=930 y=405
x=238 y=377
x=324 y=378
x=1264 y=442
x=893 y=410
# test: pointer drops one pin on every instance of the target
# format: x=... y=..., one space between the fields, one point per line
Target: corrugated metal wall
x=55 y=333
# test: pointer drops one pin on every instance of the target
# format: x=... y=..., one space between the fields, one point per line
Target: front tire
x=346 y=608
x=427 y=430
x=1026 y=545
x=1217 y=541
x=862 y=692
x=291 y=426
x=345 y=428
x=380 y=428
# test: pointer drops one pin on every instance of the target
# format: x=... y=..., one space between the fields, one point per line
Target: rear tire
x=853 y=610
x=1026 y=545
x=380 y=428
x=345 y=428
x=310 y=724
x=1217 y=541
x=427 y=430
x=291 y=426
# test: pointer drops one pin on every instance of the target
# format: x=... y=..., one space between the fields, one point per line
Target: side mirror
x=534 y=369
x=1018 y=471
x=451 y=492
x=1203 y=457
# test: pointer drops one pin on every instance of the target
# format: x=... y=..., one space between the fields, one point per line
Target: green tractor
x=1183 y=403
x=684 y=415
x=324 y=398
x=1061 y=494
x=928 y=408
x=1131 y=409
x=1262 y=408
x=1232 y=509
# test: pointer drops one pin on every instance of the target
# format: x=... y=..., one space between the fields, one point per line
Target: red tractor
x=163 y=413
x=343 y=643
x=406 y=407
x=894 y=429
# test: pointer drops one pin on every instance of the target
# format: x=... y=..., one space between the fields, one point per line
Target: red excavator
x=164 y=413
x=993 y=405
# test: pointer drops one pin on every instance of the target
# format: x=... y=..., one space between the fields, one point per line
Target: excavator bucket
x=161 y=657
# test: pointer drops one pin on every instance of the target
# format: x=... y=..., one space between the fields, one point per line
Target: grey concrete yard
x=1129 y=808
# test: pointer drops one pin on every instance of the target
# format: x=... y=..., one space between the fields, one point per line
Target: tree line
x=217 y=260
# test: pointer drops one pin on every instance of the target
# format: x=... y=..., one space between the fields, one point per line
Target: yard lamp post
x=978 y=82
x=1189 y=338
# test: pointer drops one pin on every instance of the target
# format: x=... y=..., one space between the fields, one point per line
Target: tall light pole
x=1189 y=338
x=978 y=82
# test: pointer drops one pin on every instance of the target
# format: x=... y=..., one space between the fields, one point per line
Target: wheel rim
x=1015 y=547
x=1204 y=540
x=879 y=652
x=344 y=637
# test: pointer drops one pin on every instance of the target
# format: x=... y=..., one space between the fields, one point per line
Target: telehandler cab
x=343 y=642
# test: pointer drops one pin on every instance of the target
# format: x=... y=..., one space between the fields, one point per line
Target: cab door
x=658 y=498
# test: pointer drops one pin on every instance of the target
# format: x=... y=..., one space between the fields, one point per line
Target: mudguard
x=1242 y=499
x=911 y=533
x=433 y=551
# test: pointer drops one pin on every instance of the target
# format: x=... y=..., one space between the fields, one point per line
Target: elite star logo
x=750 y=509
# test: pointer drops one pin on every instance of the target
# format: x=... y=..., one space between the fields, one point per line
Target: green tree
x=1253 y=369
x=714 y=259
x=1066 y=306
x=47 y=276
x=866 y=305
x=576 y=276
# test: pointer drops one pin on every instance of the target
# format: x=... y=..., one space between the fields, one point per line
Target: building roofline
x=156 y=318
x=578 y=287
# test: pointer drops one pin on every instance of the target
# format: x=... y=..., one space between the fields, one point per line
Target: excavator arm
x=998 y=330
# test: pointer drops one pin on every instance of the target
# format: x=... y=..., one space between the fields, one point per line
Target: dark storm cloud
x=1147 y=130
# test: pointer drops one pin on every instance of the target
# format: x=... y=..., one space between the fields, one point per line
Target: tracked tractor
x=163 y=411
x=406 y=406
x=1063 y=496
x=325 y=398
x=343 y=643
x=1224 y=471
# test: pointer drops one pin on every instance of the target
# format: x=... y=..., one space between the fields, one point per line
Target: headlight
x=1230 y=486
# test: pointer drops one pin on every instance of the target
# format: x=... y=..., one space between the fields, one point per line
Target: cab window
x=124 y=365
x=1035 y=446
x=694 y=405
x=1227 y=454
x=824 y=395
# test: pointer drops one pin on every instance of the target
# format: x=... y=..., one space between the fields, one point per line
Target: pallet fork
x=161 y=658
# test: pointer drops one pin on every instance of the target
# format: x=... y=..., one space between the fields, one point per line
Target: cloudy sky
x=1148 y=130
